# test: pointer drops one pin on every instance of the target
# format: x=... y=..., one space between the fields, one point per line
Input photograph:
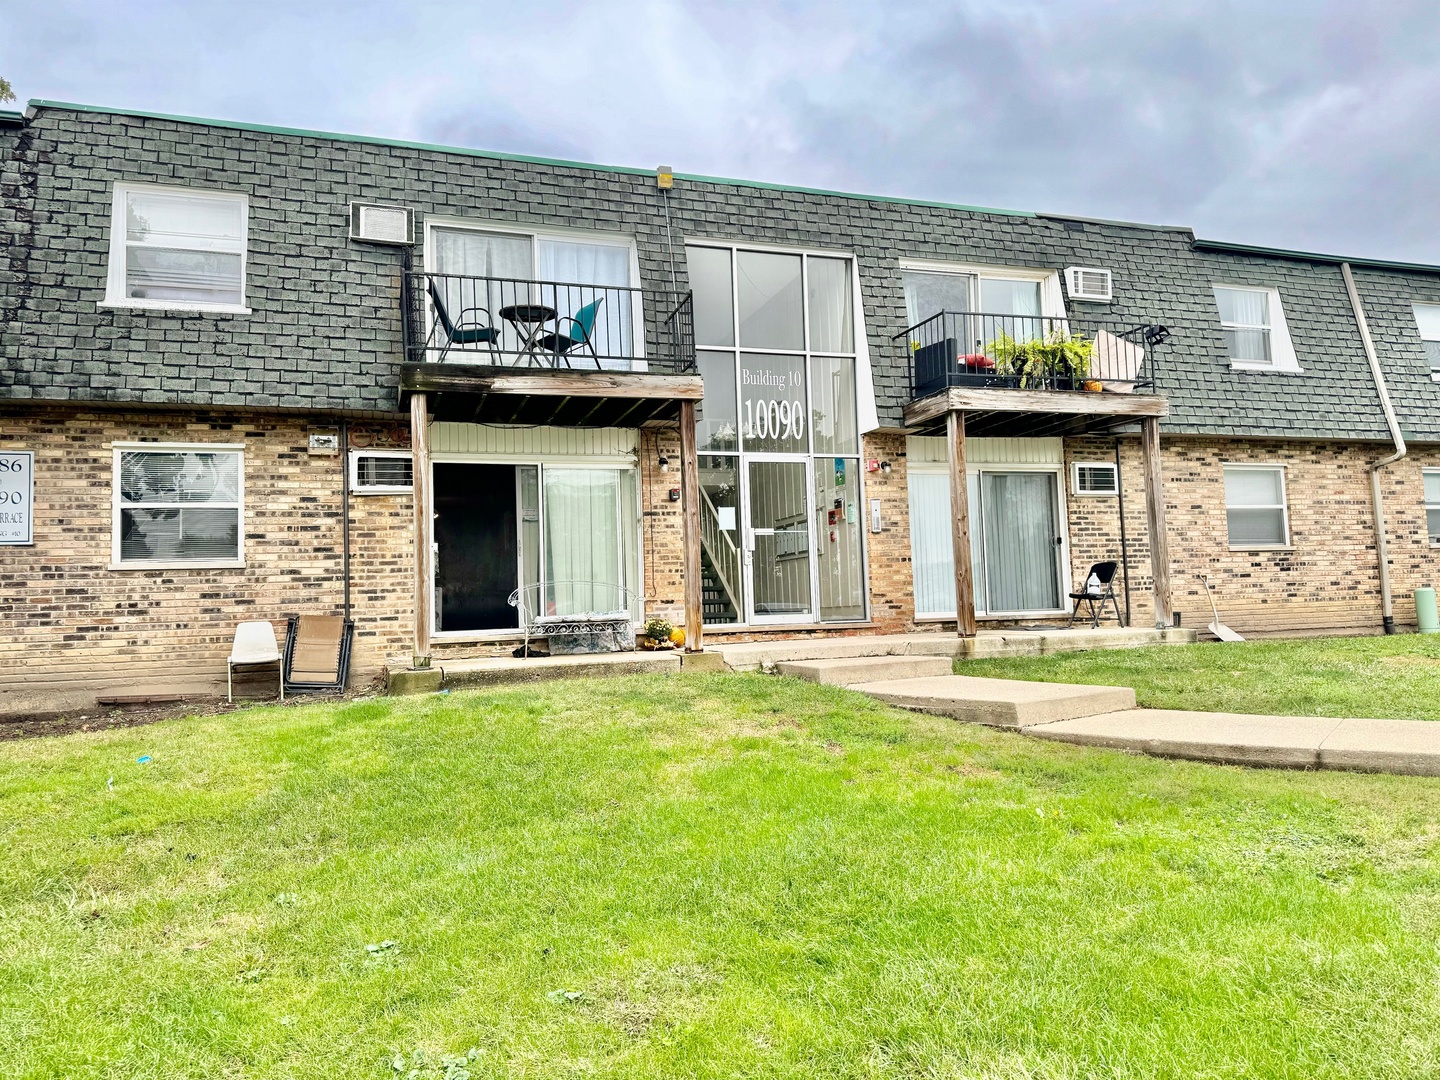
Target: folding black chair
x=1099 y=587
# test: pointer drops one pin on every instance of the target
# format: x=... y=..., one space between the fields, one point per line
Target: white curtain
x=583 y=541
x=578 y=265
x=1022 y=563
x=470 y=253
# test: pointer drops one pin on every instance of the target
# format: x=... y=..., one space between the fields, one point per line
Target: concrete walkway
x=1106 y=716
x=1410 y=747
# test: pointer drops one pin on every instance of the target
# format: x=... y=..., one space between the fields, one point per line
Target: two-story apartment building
x=251 y=371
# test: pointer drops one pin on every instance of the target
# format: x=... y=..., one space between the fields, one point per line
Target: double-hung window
x=1432 y=504
x=1427 y=318
x=1255 y=511
x=177 y=505
x=177 y=248
x=1253 y=325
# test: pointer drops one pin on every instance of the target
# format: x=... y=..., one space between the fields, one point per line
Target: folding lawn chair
x=317 y=653
x=1099 y=587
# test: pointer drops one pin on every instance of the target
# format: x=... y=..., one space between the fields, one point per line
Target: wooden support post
x=960 y=525
x=690 y=513
x=424 y=594
x=1155 y=515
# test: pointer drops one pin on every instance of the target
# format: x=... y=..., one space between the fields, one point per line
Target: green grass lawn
x=699 y=876
x=1395 y=677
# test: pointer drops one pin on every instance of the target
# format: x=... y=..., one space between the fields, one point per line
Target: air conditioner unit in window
x=1087 y=283
x=381 y=224
x=1095 y=478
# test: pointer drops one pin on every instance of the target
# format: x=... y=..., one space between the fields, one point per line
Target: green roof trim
x=11 y=117
x=1312 y=256
x=495 y=155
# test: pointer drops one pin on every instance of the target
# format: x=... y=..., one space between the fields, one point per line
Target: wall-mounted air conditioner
x=381 y=224
x=1087 y=283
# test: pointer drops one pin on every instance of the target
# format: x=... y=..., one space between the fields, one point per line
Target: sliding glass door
x=565 y=537
x=1016 y=542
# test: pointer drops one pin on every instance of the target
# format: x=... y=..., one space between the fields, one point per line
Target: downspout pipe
x=1382 y=547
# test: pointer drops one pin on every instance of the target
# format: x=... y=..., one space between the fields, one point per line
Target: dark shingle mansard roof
x=324 y=328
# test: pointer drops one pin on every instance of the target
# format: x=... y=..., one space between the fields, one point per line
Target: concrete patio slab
x=860 y=669
x=999 y=702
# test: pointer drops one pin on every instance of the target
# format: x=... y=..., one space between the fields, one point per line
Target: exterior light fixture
x=885 y=467
x=664 y=463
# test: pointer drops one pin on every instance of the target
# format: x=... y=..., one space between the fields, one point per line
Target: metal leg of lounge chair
x=1073 y=612
x=229 y=682
x=282 y=680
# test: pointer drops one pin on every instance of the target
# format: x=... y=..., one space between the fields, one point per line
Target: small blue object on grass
x=143 y=759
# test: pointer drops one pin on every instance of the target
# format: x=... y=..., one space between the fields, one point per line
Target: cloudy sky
x=1306 y=125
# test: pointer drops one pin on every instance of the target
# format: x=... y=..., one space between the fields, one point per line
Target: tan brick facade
x=71 y=627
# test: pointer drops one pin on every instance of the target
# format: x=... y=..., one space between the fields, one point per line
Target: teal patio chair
x=579 y=333
x=465 y=330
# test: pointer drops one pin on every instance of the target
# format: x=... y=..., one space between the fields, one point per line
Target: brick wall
x=1325 y=581
x=71 y=627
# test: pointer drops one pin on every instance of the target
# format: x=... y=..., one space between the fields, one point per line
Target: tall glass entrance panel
x=778 y=556
x=781 y=515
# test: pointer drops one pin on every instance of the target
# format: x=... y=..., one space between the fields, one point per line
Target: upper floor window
x=567 y=294
x=1255 y=511
x=1253 y=324
x=1427 y=318
x=177 y=248
x=177 y=505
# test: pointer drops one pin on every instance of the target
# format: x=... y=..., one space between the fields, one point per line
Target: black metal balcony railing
x=514 y=322
x=1031 y=352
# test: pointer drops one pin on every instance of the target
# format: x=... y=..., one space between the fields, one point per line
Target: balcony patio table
x=529 y=320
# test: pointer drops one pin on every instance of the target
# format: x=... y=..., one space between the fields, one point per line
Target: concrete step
x=990 y=644
x=844 y=671
x=1008 y=703
x=494 y=671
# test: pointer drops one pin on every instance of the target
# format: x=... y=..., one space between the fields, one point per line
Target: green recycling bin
x=1425 y=613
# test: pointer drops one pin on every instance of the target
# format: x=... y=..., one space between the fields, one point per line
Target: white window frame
x=1415 y=311
x=864 y=418
x=357 y=488
x=1052 y=298
x=1427 y=504
x=120 y=449
x=1075 y=489
x=1283 y=506
x=115 y=280
x=1282 y=347
x=638 y=362
x=603 y=462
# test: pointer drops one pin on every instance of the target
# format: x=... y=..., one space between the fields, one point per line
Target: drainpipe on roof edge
x=1382 y=551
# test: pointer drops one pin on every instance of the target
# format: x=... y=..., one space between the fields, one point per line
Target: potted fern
x=1059 y=358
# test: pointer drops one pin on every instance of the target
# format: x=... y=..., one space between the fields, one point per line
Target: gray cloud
x=1306 y=125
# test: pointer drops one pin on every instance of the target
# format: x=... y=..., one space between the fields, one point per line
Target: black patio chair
x=1102 y=573
x=465 y=329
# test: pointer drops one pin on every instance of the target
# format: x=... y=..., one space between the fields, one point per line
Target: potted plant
x=657 y=635
x=1059 y=357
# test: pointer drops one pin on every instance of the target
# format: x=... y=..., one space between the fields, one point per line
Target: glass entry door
x=778 y=556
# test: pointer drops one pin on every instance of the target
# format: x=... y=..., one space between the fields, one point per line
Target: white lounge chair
x=254 y=644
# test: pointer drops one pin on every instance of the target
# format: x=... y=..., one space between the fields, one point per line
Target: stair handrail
x=724 y=552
